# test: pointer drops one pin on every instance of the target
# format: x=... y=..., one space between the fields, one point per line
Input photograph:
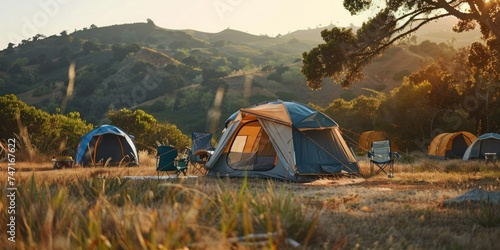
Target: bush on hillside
x=38 y=131
x=148 y=132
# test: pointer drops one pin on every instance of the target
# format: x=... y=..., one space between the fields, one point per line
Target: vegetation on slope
x=41 y=135
x=156 y=69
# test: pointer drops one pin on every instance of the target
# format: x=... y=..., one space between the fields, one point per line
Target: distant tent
x=366 y=138
x=486 y=143
x=282 y=140
x=450 y=145
x=106 y=144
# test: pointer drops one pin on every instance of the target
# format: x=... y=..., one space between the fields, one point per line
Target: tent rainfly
x=486 y=143
x=281 y=140
x=105 y=143
x=450 y=145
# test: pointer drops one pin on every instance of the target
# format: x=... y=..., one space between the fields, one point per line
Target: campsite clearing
x=353 y=212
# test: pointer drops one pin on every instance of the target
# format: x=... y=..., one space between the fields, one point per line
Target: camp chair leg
x=381 y=168
x=391 y=171
x=199 y=168
x=181 y=171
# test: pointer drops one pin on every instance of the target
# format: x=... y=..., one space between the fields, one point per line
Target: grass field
x=97 y=208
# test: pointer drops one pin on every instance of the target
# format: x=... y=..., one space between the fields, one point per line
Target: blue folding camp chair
x=168 y=161
x=200 y=151
x=382 y=157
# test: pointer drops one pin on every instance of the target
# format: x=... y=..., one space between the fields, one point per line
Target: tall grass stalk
x=113 y=213
x=486 y=213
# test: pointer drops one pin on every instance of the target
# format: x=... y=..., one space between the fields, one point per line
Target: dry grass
x=97 y=208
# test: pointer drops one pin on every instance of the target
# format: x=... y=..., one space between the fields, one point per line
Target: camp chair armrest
x=370 y=154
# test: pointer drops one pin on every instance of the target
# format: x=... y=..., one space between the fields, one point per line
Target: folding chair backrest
x=201 y=141
x=381 y=151
x=166 y=156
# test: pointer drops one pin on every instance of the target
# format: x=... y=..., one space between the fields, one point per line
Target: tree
x=356 y=115
x=4 y=65
x=17 y=66
x=10 y=49
x=345 y=53
x=192 y=61
x=443 y=94
x=46 y=67
x=478 y=70
x=407 y=113
x=38 y=37
x=146 y=129
x=121 y=51
x=46 y=134
x=42 y=57
x=89 y=46
x=141 y=67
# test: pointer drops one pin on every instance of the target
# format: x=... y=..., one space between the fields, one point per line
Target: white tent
x=486 y=143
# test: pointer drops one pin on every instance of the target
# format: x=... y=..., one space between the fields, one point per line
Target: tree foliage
x=148 y=132
x=477 y=72
x=442 y=93
x=452 y=94
x=363 y=108
x=345 y=53
x=121 y=51
x=47 y=134
x=89 y=47
x=58 y=134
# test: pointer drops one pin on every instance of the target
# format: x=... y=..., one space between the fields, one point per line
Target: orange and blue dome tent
x=281 y=140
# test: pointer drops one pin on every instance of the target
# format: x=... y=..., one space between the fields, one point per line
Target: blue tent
x=486 y=143
x=106 y=142
x=282 y=140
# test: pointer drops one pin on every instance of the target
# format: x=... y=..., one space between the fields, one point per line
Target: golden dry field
x=100 y=208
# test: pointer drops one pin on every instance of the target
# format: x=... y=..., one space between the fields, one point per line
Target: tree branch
x=453 y=10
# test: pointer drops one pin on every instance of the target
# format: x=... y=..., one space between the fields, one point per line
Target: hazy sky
x=21 y=19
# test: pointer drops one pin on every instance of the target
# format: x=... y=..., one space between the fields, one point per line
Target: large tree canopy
x=344 y=53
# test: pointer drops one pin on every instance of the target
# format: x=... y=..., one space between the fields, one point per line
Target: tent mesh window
x=252 y=149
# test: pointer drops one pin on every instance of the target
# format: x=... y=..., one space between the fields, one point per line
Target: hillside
x=175 y=74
